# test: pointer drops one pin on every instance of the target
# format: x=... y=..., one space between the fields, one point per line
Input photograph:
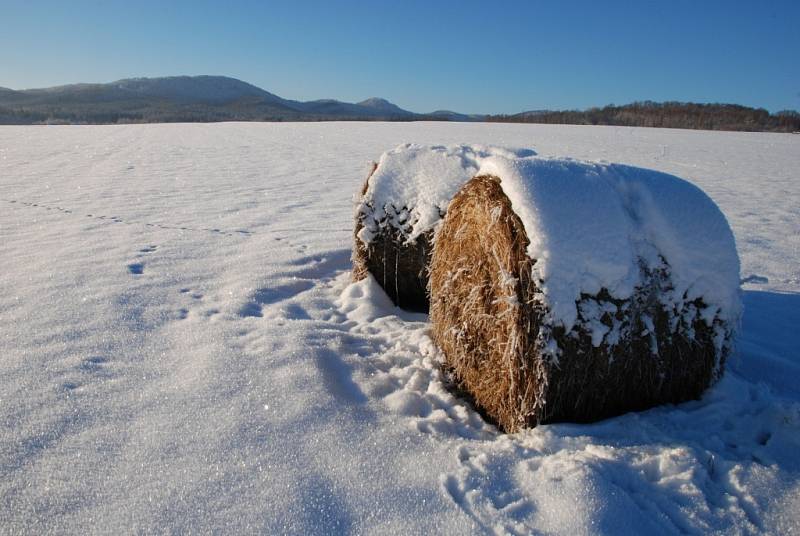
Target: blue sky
x=495 y=57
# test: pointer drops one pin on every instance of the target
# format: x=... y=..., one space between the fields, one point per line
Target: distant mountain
x=9 y=94
x=146 y=99
x=180 y=98
x=359 y=110
x=383 y=106
x=219 y=89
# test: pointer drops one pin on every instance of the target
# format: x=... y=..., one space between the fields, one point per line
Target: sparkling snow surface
x=181 y=350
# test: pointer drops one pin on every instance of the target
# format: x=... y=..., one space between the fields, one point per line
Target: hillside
x=178 y=99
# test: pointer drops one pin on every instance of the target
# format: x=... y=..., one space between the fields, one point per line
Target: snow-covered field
x=181 y=350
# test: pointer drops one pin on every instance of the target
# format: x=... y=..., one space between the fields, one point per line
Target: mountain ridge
x=210 y=98
x=180 y=98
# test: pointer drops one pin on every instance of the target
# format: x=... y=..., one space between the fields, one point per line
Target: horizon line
x=391 y=101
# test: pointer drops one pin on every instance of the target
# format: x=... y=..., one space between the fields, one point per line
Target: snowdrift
x=565 y=290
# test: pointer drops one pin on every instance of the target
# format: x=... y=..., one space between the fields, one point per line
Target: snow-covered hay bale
x=399 y=209
x=563 y=290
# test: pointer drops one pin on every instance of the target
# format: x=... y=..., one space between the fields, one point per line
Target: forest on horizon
x=697 y=116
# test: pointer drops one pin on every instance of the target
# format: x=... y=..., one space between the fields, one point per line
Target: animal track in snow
x=137 y=268
x=400 y=364
x=118 y=219
x=645 y=466
x=321 y=267
x=485 y=489
x=273 y=295
x=85 y=372
x=195 y=305
x=94 y=362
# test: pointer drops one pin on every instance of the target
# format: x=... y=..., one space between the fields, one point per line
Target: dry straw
x=490 y=325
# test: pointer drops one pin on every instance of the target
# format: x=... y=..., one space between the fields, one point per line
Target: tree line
x=104 y=113
x=666 y=115
x=638 y=114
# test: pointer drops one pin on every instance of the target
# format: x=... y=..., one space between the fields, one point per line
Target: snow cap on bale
x=412 y=185
x=567 y=290
x=401 y=206
x=591 y=226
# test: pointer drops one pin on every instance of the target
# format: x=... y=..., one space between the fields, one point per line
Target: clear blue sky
x=482 y=56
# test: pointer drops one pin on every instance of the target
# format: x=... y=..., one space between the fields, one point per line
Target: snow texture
x=413 y=184
x=598 y=226
x=182 y=350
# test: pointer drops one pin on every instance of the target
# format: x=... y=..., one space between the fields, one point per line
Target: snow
x=183 y=351
x=413 y=184
x=595 y=226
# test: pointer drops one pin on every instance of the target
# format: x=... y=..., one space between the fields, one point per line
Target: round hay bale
x=497 y=322
x=399 y=209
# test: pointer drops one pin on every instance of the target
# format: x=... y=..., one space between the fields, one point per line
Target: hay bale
x=399 y=208
x=399 y=265
x=566 y=291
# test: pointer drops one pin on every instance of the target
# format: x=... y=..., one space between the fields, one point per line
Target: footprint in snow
x=93 y=362
x=90 y=369
x=196 y=301
x=137 y=268
x=273 y=295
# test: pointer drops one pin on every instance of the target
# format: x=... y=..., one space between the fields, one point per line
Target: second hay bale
x=400 y=266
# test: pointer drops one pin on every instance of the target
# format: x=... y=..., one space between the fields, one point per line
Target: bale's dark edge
x=401 y=268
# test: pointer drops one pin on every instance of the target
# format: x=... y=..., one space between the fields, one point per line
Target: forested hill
x=183 y=99
x=666 y=115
